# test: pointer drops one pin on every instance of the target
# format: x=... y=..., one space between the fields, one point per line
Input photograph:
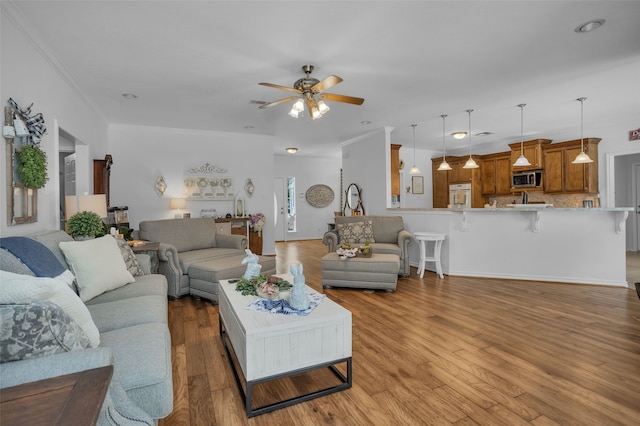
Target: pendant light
x=522 y=160
x=444 y=165
x=470 y=164
x=582 y=158
x=414 y=170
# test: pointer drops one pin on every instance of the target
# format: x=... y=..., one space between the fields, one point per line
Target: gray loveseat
x=133 y=337
x=387 y=231
x=194 y=257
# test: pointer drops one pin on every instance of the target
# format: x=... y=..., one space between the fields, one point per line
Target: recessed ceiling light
x=484 y=133
x=291 y=150
x=589 y=26
x=129 y=96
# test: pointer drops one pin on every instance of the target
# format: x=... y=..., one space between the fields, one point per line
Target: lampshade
x=522 y=160
x=444 y=165
x=470 y=164
x=96 y=203
x=414 y=170
x=178 y=203
x=582 y=158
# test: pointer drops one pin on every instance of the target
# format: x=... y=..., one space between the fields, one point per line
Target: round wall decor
x=319 y=195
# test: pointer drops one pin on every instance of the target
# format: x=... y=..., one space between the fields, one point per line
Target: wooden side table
x=150 y=248
x=72 y=399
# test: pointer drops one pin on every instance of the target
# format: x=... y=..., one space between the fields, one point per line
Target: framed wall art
x=417 y=184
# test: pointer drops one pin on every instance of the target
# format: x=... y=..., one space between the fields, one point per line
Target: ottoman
x=378 y=272
x=205 y=276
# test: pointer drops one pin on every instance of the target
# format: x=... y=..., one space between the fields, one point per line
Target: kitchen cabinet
x=562 y=176
x=533 y=152
x=456 y=175
x=495 y=173
x=440 y=184
x=395 y=169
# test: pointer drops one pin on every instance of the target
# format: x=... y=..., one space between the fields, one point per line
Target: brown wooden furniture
x=151 y=249
x=72 y=399
x=456 y=175
x=395 y=169
x=533 y=152
x=102 y=177
x=562 y=176
x=495 y=173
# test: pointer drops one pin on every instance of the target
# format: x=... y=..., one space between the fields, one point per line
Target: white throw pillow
x=97 y=265
x=18 y=288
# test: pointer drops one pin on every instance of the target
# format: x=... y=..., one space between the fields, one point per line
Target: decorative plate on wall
x=319 y=195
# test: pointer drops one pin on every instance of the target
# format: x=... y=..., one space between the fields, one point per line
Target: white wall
x=141 y=154
x=423 y=161
x=624 y=196
x=30 y=75
x=311 y=222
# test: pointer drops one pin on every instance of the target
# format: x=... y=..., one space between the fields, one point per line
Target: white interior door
x=279 y=209
x=69 y=186
x=636 y=204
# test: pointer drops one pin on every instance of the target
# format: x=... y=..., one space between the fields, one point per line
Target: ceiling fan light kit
x=309 y=91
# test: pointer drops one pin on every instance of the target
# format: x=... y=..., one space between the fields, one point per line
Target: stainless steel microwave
x=528 y=179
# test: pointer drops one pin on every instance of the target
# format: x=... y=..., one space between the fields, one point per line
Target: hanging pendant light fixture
x=522 y=160
x=582 y=158
x=444 y=165
x=414 y=170
x=470 y=164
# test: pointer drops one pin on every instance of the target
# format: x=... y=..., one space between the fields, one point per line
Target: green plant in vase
x=367 y=248
x=85 y=224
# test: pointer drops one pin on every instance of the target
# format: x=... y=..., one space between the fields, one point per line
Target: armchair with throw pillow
x=386 y=235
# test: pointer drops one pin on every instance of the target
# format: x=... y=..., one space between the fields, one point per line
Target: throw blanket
x=282 y=306
x=37 y=257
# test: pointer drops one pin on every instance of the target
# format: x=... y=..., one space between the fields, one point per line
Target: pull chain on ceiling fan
x=309 y=92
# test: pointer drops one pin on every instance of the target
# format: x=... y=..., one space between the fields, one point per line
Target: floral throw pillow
x=36 y=329
x=356 y=232
x=129 y=257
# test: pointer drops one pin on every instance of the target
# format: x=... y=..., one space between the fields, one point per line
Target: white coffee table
x=272 y=346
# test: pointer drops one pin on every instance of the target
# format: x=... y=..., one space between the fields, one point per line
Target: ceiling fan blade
x=277 y=86
x=341 y=98
x=325 y=84
x=281 y=101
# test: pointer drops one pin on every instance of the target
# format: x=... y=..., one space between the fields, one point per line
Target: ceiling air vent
x=253 y=101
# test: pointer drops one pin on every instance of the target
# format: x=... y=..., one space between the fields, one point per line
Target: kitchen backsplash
x=558 y=200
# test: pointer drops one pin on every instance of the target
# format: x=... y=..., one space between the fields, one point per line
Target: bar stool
x=423 y=238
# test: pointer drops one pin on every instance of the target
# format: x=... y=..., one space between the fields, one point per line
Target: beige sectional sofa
x=386 y=233
x=194 y=257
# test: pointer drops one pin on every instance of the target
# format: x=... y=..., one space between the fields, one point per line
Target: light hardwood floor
x=461 y=351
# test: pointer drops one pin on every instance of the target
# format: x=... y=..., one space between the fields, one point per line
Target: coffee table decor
x=265 y=286
x=345 y=251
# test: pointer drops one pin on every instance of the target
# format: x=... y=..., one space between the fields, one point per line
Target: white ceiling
x=197 y=64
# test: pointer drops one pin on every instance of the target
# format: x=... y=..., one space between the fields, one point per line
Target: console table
x=72 y=399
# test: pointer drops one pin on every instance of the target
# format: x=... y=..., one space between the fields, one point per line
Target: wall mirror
x=353 y=200
x=22 y=202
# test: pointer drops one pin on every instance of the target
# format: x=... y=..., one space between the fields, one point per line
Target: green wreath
x=32 y=166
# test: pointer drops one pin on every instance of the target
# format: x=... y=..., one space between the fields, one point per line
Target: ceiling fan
x=309 y=91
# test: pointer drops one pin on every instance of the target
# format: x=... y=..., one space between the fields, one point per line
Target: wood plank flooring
x=452 y=351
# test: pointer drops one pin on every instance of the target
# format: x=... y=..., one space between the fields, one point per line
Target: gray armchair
x=388 y=233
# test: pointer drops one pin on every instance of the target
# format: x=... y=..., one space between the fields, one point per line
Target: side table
x=72 y=399
x=150 y=248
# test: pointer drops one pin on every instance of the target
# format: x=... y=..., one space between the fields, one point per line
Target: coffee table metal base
x=345 y=381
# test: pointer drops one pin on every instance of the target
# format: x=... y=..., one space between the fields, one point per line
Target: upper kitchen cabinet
x=532 y=150
x=561 y=175
x=495 y=172
x=395 y=169
x=440 y=184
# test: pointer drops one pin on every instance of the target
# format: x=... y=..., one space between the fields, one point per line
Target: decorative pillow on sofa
x=356 y=232
x=17 y=288
x=36 y=329
x=129 y=257
x=97 y=265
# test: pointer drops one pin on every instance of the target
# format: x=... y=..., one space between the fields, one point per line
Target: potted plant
x=85 y=225
x=32 y=166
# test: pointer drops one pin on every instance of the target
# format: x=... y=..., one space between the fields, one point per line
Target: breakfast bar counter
x=573 y=245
